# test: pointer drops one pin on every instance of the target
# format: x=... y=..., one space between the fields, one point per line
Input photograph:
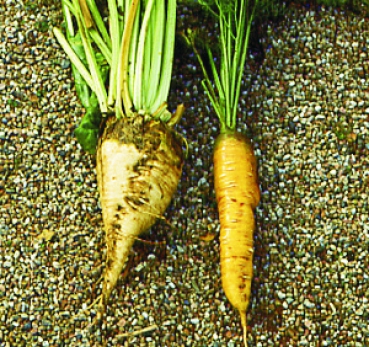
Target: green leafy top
x=235 y=19
x=133 y=56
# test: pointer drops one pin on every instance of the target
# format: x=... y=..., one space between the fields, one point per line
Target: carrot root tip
x=245 y=336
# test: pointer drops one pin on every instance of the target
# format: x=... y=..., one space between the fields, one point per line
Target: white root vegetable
x=138 y=168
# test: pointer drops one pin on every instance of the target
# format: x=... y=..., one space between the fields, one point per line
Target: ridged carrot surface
x=237 y=193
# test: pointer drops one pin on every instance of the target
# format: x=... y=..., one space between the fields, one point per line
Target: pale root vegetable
x=122 y=67
x=138 y=168
x=238 y=194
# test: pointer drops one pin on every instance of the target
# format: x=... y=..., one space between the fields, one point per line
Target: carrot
x=127 y=124
x=237 y=193
x=235 y=172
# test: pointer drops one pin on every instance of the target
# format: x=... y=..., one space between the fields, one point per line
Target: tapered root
x=237 y=193
x=244 y=327
x=139 y=164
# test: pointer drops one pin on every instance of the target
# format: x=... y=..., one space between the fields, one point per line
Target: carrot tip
x=245 y=335
x=244 y=327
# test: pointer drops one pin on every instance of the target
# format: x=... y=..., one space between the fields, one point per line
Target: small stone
x=65 y=64
x=7 y=264
x=308 y=303
x=199 y=162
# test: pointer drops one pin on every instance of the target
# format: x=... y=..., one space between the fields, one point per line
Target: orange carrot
x=237 y=194
x=235 y=172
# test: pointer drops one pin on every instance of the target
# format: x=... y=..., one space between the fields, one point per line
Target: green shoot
x=99 y=87
x=116 y=41
x=143 y=44
x=157 y=32
x=122 y=82
x=73 y=56
x=167 y=56
x=147 y=56
x=140 y=56
x=223 y=87
x=99 y=23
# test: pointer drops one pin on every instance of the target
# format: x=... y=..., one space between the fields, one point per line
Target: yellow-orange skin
x=238 y=194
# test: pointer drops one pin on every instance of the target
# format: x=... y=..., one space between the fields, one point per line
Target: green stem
x=147 y=65
x=156 y=38
x=139 y=53
x=106 y=52
x=121 y=8
x=115 y=42
x=140 y=57
x=122 y=79
x=242 y=61
x=218 y=109
x=67 y=9
x=206 y=83
x=133 y=53
x=99 y=22
x=217 y=82
x=95 y=74
x=224 y=66
x=237 y=66
x=167 y=63
x=74 y=58
x=235 y=27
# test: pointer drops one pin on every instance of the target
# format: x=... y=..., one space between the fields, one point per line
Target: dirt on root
x=147 y=136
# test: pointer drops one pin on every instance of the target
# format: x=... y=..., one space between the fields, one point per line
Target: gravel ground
x=307 y=110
